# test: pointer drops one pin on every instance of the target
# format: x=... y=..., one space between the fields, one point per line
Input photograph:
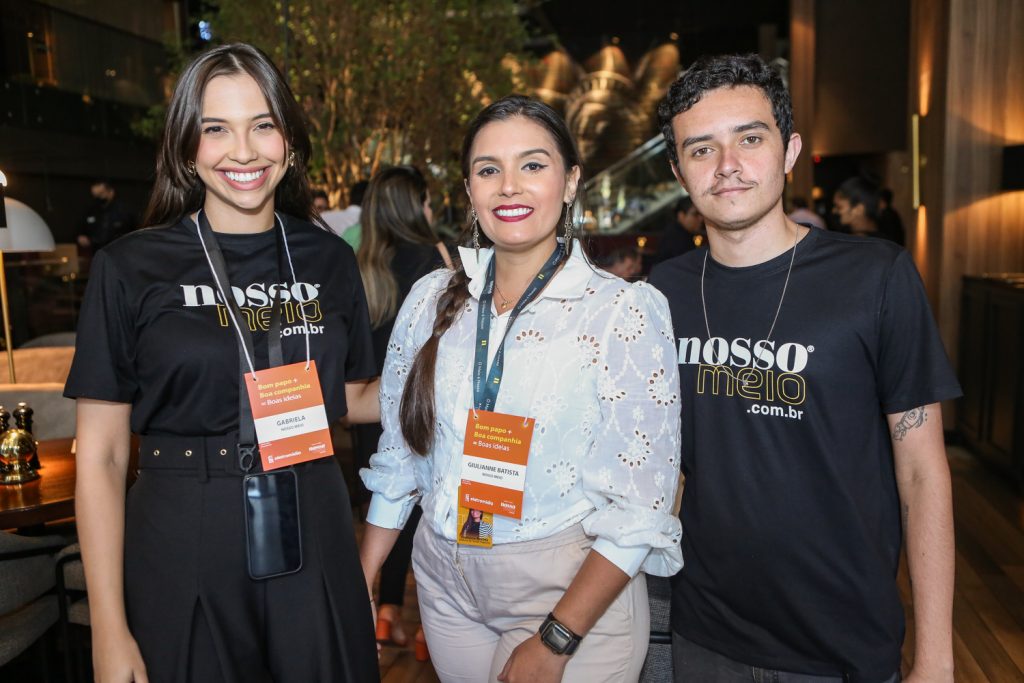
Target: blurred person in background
x=398 y=247
x=624 y=262
x=106 y=219
x=802 y=214
x=855 y=204
x=683 y=234
x=345 y=222
x=889 y=222
x=320 y=201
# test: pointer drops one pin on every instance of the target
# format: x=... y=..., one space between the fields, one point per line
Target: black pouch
x=272 y=533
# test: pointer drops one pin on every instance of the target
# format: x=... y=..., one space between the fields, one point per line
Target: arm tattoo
x=912 y=419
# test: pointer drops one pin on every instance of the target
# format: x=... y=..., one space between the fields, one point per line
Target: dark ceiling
x=704 y=26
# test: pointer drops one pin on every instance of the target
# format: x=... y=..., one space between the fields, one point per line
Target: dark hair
x=617 y=255
x=320 y=194
x=885 y=194
x=357 y=192
x=176 y=192
x=724 y=71
x=861 y=191
x=683 y=205
x=392 y=214
x=471 y=527
x=417 y=410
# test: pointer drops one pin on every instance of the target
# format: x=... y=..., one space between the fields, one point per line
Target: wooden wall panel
x=982 y=228
x=801 y=86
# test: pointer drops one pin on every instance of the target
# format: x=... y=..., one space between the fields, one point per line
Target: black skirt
x=196 y=614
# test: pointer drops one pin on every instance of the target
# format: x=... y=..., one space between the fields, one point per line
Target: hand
x=533 y=661
x=116 y=659
x=920 y=675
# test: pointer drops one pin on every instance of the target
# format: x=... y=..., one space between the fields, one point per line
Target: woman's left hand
x=533 y=661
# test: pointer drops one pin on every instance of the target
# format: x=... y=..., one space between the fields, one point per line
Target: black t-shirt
x=152 y=333
x=791 y=527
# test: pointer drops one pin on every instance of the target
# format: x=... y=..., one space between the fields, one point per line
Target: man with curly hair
x=811 y=372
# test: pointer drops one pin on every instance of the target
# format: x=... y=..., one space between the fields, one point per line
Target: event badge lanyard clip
x=496 y=445
x=280 y=408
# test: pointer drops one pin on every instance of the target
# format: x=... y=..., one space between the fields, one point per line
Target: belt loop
x=204 y=469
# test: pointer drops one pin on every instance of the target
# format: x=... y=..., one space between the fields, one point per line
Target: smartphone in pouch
x=272 y=534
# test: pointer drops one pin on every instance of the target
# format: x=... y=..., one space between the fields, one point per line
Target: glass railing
x=628 y=195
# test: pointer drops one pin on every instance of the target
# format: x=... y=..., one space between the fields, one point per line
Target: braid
x=416 y=413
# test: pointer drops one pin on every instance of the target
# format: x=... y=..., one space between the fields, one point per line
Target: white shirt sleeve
x=633 y=476
x=391 y=476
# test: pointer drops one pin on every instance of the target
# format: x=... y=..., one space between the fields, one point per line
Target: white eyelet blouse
x=593 y=360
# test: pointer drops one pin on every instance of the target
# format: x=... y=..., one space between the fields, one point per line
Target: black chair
x=74 y=611
x=28 y=605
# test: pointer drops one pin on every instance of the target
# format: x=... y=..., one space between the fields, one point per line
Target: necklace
x=778 y=310
x=505 y=301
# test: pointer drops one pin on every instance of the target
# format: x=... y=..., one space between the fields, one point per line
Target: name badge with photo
x=495 y=452
x=288 y=409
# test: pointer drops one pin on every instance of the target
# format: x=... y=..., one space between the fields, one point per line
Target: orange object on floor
x=383 y=630
x=422 y=653
x=388 y=630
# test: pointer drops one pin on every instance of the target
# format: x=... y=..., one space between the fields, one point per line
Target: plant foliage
x=383 y=81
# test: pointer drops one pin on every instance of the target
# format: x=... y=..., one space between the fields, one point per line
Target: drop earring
x=476 y=232
x=568 y=223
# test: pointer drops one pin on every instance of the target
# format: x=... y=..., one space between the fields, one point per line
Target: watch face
x=557 y=637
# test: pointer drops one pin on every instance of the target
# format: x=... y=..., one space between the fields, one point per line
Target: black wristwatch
x=558 y=637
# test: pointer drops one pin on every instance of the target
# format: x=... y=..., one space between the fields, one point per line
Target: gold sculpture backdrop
x=610 y=107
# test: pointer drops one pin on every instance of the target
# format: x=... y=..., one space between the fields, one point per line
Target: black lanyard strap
x=246 y=449
x=485 y=394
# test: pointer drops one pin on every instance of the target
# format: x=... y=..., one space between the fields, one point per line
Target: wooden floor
x=988 y=610
x=988 y=603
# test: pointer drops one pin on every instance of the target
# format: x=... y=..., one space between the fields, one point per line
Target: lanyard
x=485 y=394
x=246 y=347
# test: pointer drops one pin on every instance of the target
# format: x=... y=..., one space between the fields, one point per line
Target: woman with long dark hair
x=530 y=386
x=221 y=565
x=398 y=247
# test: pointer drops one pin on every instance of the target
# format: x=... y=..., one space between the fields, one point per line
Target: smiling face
x=731 y=157
x=242 y=154
x=518 y=184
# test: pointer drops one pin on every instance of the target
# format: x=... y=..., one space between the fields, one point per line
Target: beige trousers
x=478 y=604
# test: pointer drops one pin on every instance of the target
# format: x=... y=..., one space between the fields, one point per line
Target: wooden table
x=49 y=498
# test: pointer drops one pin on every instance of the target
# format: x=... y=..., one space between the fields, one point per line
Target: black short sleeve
x=359 y=361
x=104 y=363
x=913 y=367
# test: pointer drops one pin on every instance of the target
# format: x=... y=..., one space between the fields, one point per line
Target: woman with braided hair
x=575 y=370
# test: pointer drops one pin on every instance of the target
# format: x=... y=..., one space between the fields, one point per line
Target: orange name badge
x=288 y=409
x=495 y=450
